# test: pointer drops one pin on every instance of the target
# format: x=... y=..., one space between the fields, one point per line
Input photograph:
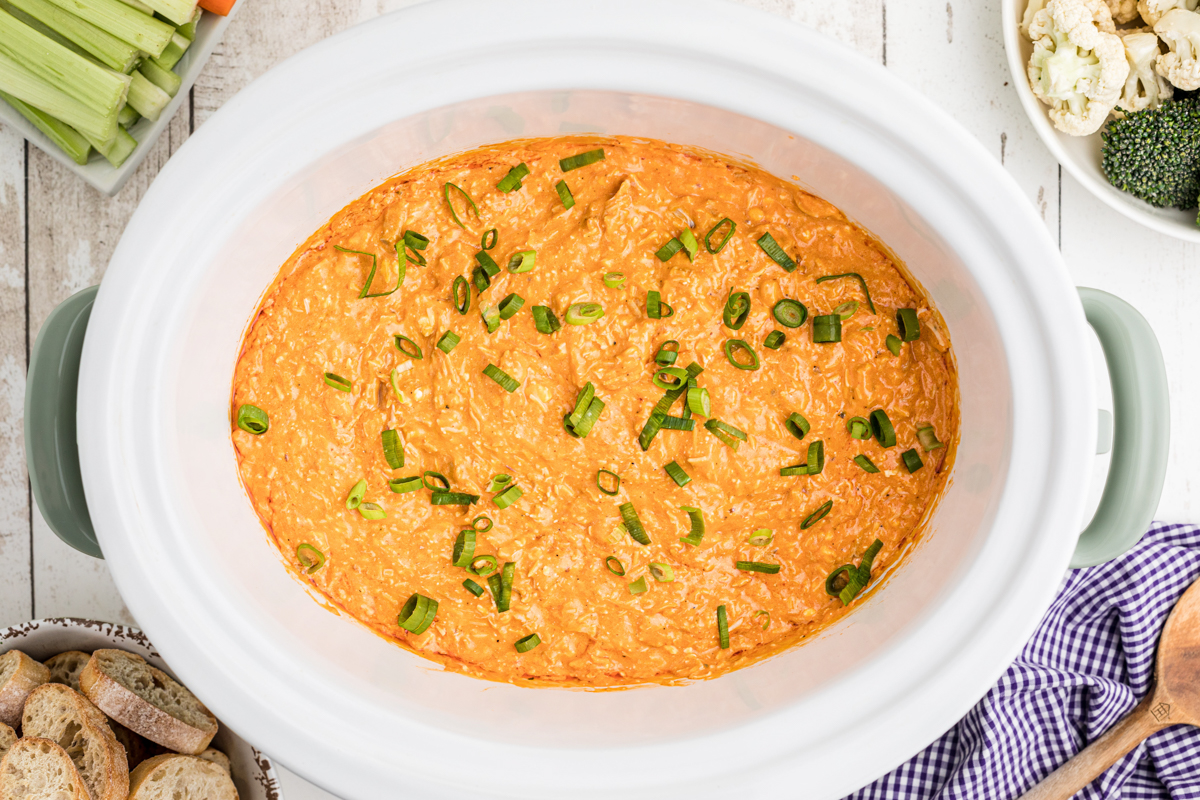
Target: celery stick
x=126 y=23
x=164 y=79
x=174 y=52
x=177 y=11
x=140 y=6
x=146 y=98
x=119 y=148
x=188 y=30
x=69 y=140
x=106 y=48
x=127 y=116
x=24 y=85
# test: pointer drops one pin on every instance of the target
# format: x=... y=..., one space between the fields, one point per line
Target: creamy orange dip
x=451 y=418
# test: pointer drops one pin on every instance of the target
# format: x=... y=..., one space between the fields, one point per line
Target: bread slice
x=174 y=777
x=65 y=667
x=38 y=769
x=137 y=749
x=216 y=757
x=65 y=717
x=147 y=701
x=8 y=738
x=19 y=675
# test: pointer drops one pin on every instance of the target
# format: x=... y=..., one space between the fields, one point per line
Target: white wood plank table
x=57 y=234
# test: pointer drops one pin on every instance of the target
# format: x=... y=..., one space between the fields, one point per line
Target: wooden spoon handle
x=1089 y=763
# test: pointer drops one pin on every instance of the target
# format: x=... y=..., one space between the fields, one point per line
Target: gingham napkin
x=1089 y=662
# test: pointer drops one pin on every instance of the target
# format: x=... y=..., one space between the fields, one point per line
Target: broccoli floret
x=1155 y=154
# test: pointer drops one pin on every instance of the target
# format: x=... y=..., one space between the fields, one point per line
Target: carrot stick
x=221 y=7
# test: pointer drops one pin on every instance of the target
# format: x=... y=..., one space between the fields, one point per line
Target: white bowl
x=39 y=639
x=366 y=719
x=1081 y=154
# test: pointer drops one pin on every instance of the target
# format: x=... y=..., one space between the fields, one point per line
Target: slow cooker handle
x=51 y=450
x=1142 y=429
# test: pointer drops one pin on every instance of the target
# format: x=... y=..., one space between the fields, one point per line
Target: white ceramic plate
x=39 y=639
x=1081 y=154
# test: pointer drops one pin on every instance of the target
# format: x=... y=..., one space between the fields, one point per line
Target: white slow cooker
x=368 y=720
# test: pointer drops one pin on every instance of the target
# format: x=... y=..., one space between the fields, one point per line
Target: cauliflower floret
x=1027 y=19
x=1180 y=31
x=1144 y=88
x=1122 y=10
x=1078 y=66
x=1152 y=10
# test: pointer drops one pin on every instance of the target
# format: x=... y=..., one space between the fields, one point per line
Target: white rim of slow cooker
x=909 y=695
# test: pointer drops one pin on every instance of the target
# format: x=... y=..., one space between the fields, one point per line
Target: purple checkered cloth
x=1088 y=664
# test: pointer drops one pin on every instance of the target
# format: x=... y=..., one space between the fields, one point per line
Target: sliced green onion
x=509 y=496
x=416 y=242
x=523 y=261
x=453 y=499
x=355 y=498
x=690 y=246
x=656 y=308
x=614 y=280
x=365 y=292
x=496 y=584
x=793 y=471
x=482 y=523
x=776 y=253
x=464 y=549
x=858 y=578
x=584 y=313
x=372 y=511
x=481 y=279
x=733 y=346
x=816 y=516
x=450 y=205
x=833 y=586
x=774 y=340
x=338 y=382
x=654 y=423
x=413 y=350
x=490 y=237
x=393 y=449
x=846 y=310
x=760 y=538
x=589 y=418
x=666 y=356
x=580 y=160
x=488 y=263
x=827 y=328
x=512 y=181
x=737 y=309
x=506 y=381
x=417 y=614
x=767 y=621
x=696 y=534
x=491 y=318
x=680 y=375
x=507 y=573
x=633 y=524
x=816 y=457
x=544 y=320
x=893 y=344
x=253 y=419
x=910 y=326
x=435 y=481
x=867 y=464
x=728 y=434
x=708 y=245
x=473 y=587
x=615 y=566
x=639 y=586
x=663 y=573
x=483 y=565
x=448 y=342
x=669 y=249
x=405 y=485
x=564 y=194
x=797 y=425
x=670 y=423
x=461 y=294
x=510 y=305
x=757 y=566
x=310 y=558
x=722 y=627
x=615 y=482
x=698 y=401
x=927 y=437
x=500 y=482
x=912 y=460
x=677 y=474
x=527 y=643
x=582 y=401
x=790 y=313
x=859 y=428
x=857 y=277
x=882 y=428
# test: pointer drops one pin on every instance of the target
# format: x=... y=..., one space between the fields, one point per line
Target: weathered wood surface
x=57 y=234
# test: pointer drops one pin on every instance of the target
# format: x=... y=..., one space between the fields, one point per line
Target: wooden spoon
x=1175 y=700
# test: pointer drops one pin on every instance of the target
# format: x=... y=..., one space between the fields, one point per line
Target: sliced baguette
x=216 y=757
x=64 y=716
x=137 y=749
x=65 y=667
x=8 y=738
x=38 y=769
x=147 y=701
x=174 y=777
x=19 y=675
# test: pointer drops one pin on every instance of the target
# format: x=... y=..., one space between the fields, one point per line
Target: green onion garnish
x=663 y=573
x=482 y=523
x=483 y=565
x=615 y=482
x=690 y=246
x=615 y=566
x=670 y=423
x=500 y=482
x=678 y=373
x=927 y=437
x=708 y=245
x=393 y=449
x=589 y=418
x=544 y=320
x=564 y=194
x=737 y=309
x=728 y=434
x=666 y=356
x=912 y=460
x=453 y=499
x=405 y=485
x=417 y=614
x=790 y=313
x=910 y=326
x=669 y=249
x=523 y=261
x=580 y=160
x=677 y=474
x=372 y=511
x=757 y=566
x=448 y=342
x=760 y=538
x=882 y=428
x=696 y=516
x=416 y=242
x=767 y=621
x=584 y=313
x=311 y=559
x=797 y=425
x=833 y=586
x=859 y=428
x=774 y=340
x=527 y=643
x=509 y=496
x=253 y=419
x=659 y=412
x=722 y=627
x=491 y=318
x=793 y=471
x=856 y=578
x=816 y=516
x=496 y=584
x=614 y=280
x=337 y=382
x=512 y=181
x=893 y=344
x=776 y=253
x=733 y=346
x=413 y=350
x=366 y=289
x=435 y=481
x=827 y=328
x=464 y=549
x=488 y=264
x=450 y=205
x=633 y=524
x=857 y=277
x=355 y=498
x=698 y=401
x=846 y=310
x=816 y=457
x=656 y=308
x=473 y=587
x=490 y=237
x=867 y=464
x=461 y=294
x=482 y=281
x=510 y=305
x=639 y=586
x=582 y=401
x=507 y=573
x=506 y=381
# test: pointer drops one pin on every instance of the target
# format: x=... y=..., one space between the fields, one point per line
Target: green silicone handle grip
x=1141 y=429
x=51 y=451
